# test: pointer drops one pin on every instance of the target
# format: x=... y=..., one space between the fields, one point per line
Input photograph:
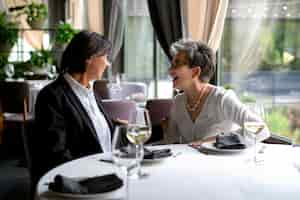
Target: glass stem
x=139 y=156
x=255 y=146
x=126 y=171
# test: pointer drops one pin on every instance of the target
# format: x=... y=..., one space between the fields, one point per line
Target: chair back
x=119 y=109
x=101 y=88
x=159 y=109
x=14 y=96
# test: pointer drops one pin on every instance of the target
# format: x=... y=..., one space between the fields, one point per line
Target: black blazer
x=63 y=130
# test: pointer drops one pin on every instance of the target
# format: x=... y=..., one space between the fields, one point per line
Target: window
x=260 y=58
x=144 y=59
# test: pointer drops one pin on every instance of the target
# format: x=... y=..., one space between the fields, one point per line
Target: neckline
x=203 y=109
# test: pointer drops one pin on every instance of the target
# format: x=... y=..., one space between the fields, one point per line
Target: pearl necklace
x=194 y=107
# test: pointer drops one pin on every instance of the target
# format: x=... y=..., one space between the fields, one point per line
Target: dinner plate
x=83 y=196
x=211 y=146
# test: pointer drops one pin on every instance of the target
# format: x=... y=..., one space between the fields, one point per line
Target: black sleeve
x=50 y=133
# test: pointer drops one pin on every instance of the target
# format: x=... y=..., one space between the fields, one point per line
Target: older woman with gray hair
x=202 y=110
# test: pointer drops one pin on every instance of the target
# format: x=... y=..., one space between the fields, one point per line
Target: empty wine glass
x=139 y=131
x=51 y=71
x=123 y=153
x=115 y=88
x=9 y=70
x=253 y=128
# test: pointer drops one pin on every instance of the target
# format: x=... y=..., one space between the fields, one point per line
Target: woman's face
x=96 y=66
x=182 y=75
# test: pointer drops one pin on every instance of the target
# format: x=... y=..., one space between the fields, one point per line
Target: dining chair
x=119 y=109
x=159 y=109
x=14 y=106
x=101 y=88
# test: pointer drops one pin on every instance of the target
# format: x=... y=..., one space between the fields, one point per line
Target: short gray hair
x=199 y=54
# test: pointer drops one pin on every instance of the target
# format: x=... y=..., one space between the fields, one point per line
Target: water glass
x=123 y=153
x=9 y=70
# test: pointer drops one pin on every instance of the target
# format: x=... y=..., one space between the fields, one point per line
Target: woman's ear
x=196 y=71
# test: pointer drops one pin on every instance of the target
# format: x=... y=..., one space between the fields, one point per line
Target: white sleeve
x=234 y=110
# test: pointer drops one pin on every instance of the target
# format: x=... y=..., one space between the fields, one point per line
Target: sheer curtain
x=115 y=16
x=245 y=47
x=204 y=20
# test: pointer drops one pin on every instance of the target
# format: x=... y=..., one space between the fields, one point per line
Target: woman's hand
x=199 y=142
x=120 y=122
x=196 y=143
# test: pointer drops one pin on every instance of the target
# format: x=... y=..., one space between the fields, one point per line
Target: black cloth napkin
x=229 y=141
x=94 y=185
x=158 y=153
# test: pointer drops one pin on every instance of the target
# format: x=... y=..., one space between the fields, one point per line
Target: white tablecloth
x=194 y=175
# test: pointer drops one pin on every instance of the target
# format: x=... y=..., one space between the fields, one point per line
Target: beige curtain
x=34 y=38
x=95 y=16
x=75 y=13
x=204 y=20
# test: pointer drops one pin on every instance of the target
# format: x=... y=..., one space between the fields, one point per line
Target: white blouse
x=88 y=100
x=221 y=112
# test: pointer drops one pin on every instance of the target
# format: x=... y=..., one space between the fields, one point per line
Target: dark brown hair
x=83 y=45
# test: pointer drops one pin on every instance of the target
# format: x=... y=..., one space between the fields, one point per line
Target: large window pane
x=260 y=58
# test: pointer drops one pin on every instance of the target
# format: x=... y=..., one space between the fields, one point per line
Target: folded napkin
x=229 y=141
x=94 y=185
x=158 y=153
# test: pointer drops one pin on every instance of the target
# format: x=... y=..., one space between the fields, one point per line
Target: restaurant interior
x=256 y=50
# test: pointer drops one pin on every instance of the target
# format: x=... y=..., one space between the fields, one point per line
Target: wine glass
x=123 y=153
x=115 y=88
x=9 y=70
x=294 y=118
x=139 y=131
x=253 y=128
x=51 y=71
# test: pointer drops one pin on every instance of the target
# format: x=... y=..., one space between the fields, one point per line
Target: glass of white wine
x=253 y=128
x=139 y=131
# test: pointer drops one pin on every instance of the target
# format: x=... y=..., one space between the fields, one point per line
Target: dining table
x=194 y=173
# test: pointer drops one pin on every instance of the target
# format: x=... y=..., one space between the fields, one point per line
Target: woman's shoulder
x=221 y=93
x=55 y=88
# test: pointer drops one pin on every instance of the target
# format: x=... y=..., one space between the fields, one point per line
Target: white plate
x=210 y=146
x=82 y=196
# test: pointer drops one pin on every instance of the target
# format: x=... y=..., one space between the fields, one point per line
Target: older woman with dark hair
x=202 y=110
x=69 y=119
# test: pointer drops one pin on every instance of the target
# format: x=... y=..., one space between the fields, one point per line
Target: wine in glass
x=9 y=70
x=139 y=131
